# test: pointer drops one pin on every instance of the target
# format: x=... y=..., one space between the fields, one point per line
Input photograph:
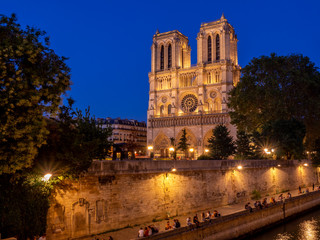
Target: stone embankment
x=244 y=222
x=119 y=194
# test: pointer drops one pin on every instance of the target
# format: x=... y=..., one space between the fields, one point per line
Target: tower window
x=217 y=47
x=162 y=58
x=161 y=110
x=209 y=49
x=169 y=109
x=169 y=56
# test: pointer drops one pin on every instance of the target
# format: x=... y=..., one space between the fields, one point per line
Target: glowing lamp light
x=206 y=150
x=171 y=149
x=191 y=149
x=272 y=150
x=150 y=147
x=265 y=150
x=47 y=177
x=173 y=169
x=305 y=164
x=239 y=167
x=279 y=165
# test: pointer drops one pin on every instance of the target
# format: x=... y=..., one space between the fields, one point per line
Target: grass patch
x=256 y=195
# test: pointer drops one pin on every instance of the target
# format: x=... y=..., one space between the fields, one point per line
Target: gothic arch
x=217 y=104
x=161 y=141
x=208 y=135
x=192 y=140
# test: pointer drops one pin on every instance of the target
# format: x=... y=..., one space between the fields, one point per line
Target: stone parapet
x=163 y=166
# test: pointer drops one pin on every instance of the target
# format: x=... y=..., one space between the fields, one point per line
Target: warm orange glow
x=173 y=169
x=47 y=177
x=150 y=147
x=171 y=149
x=239 y=167
x=191 y=149
x=306 y=165
x=206 y=150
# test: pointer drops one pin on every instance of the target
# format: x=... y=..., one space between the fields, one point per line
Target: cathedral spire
x=157 y=32
x=222 y=17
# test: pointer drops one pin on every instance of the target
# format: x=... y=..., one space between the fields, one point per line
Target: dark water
x=304 y=227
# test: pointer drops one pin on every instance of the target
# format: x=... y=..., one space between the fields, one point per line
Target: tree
x=183 y=144
x=277 y=87
x=286 y=136
x=75 y=139
x=221 y=144
x=245 y=147
x=32 y=80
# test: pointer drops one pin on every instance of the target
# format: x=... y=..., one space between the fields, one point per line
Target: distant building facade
x=191 y=97
x=129 y=137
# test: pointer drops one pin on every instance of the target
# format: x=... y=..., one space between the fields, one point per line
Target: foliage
x=74 y=141
x=256 y=195
x=183 y=144
x=221 y=144
x=24 y=206
x=172 y=142
x=287 y=137
x=277 y=87
x=204 y=157
x=32 y=79
x=246 y=149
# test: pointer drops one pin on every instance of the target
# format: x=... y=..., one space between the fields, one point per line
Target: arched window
x=209 y=49
x=161 y=110
x=162 y=58
x=169 y=56
x=209 y=77
x=217 y=47
x=169 y=109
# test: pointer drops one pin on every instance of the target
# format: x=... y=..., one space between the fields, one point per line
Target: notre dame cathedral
x=191 y=97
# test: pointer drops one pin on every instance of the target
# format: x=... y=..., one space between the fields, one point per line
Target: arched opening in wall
x=217 y=77
x=217 y=47
x=217 y=105
x=162 y=58
x=209 y=49
x=169 y=56
x=169 y=109
x=209 y=78
x=161 y=109
x=210 y=106
x=191 y=151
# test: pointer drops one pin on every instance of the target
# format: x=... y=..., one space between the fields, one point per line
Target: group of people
x=176 y=224
x=147 y=231
x=265 y=204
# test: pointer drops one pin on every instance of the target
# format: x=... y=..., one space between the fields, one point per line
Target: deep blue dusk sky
x=108 y=42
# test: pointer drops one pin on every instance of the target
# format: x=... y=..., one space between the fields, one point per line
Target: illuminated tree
x=32 y=80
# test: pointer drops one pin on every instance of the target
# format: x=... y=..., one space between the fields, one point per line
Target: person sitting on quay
x=265 y=203
x=216 y=214
x=154 y=229
x=272 y=200
x=140 y=233
x=189 y=221
x=176 y=223
x=258 y=205
x=280 y=198
x=289 y=195
x=300 y=190
x=196 y=220
x=307 y=190
x=208 y=216
x=146 y=232
x=203 y=217
x=168 y=226
x=248 y=207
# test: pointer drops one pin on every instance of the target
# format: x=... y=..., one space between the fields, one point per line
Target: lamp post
x=191 y=150
x=171 y=149
x=150 y=148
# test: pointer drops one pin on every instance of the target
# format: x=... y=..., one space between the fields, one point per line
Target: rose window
x=189 y=103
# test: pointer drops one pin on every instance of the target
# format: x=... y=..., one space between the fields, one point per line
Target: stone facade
x=115 y=194
x=129 y=137
x=183 y=96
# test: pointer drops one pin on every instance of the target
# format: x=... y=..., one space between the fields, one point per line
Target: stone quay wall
x=115 y=194
x=242 y=223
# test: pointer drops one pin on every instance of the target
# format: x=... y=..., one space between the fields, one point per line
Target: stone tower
x=191 y=97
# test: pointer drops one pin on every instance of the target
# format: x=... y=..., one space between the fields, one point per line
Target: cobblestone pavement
x=132 y=233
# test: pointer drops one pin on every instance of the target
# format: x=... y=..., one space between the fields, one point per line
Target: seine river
x=305 y=227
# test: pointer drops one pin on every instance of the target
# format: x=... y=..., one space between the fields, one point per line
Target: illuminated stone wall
x=115 y=194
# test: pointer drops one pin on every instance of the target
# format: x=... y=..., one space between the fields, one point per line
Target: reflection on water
x=306 y=227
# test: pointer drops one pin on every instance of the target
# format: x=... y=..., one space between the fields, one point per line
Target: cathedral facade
x=191 y=97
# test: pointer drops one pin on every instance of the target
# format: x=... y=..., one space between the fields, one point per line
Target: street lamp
x=239 y=167
x=206 y=150
x=191 y=150
x=150 y=148
x=47 y=177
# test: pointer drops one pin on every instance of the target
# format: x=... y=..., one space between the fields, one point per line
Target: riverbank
x=235 y=221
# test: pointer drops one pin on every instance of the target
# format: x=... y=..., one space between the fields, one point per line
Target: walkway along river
x=241 y=223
